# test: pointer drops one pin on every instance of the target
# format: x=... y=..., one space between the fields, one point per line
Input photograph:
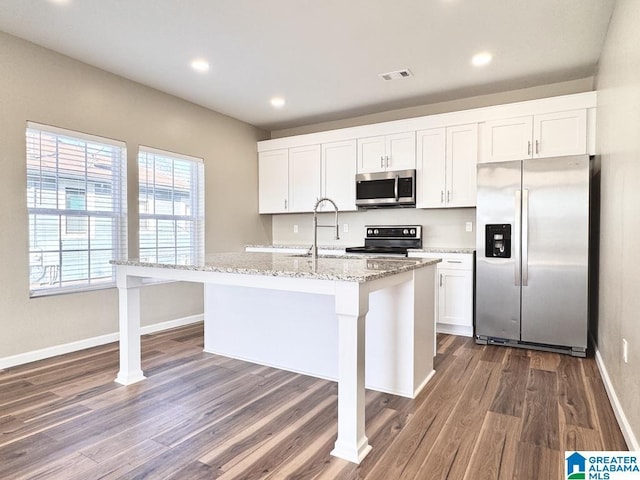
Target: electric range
x=389 y=240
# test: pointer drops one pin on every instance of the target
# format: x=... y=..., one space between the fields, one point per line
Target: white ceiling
x=322 y=56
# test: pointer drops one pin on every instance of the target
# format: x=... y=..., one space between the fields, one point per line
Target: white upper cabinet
x=446 y=167
x=431 y=168
x=545 y=135
x=560 y=133
x=293 y=179
x=462 y=160
x=505 y=140
x=339 y=174
x=273 y=181
x=387 y=153
x=304 y=178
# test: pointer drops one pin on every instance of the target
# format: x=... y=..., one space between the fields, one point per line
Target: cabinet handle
x=448 y=196
x=381 y=161
x=441 y=196
x=285 y=204
x=396 y=191
x=440 y=279
x=388 y=161
x=537 y=147
x=529 y=147
x=454 y=261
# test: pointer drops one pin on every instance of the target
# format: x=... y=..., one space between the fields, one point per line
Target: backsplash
x=440 y=227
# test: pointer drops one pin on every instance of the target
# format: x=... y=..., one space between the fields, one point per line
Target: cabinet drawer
x=457 y=261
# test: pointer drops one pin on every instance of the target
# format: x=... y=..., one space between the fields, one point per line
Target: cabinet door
x=371 y=154
x=462 y=158
x=401 y=151
x=339 y=174
x=273 y=181
x=455 y=297
x=304 y=178
x=505 y=140
x=560 y=133
x=430 y=181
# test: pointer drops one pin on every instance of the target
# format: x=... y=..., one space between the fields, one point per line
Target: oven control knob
x=413 y=231
x=405 y=231
x=376 y=231
x=369 y=231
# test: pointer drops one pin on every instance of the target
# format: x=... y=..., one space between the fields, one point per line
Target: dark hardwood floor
x=488 y=413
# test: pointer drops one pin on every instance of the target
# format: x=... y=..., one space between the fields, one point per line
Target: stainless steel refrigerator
x=532 y=254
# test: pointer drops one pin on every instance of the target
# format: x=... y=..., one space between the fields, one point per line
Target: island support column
x=352 y=304
x=129 y=318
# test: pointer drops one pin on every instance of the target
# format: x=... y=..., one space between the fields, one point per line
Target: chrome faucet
x=314 y=247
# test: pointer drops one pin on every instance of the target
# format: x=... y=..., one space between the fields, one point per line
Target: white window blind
x=171 y=206
x=76 y=196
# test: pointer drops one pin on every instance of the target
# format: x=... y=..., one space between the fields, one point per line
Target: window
x=76 y=196
x=75 y=199
x=171 y=206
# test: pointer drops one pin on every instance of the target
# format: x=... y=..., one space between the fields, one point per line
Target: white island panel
x=299 y=332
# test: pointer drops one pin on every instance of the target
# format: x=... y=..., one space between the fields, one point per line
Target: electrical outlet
x=345 y=228
x=625 y=350
x=295 y=229
x=468 y=226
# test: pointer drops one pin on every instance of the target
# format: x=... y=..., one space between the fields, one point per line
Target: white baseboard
x=459 y=330
x=179 y=322
x=35 y=355
x=629 y=437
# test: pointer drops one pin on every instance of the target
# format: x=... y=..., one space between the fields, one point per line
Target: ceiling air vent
x=396 y=75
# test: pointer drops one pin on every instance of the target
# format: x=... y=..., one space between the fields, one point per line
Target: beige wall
x=42 y=86
x=618 y=135
x=441 y=227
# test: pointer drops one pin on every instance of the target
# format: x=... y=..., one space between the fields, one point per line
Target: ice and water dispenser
x=498 y=240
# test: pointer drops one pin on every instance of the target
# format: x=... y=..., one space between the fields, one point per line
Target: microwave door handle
x=395 y=189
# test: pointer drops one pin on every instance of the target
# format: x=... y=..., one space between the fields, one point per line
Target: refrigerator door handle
x=525 y=237
x=516 y=248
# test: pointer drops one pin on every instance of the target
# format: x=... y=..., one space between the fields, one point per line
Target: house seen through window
x=171 y=207
x=76 y=197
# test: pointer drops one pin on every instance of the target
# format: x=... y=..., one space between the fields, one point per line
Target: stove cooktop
x=381 y=249
x=390 y=239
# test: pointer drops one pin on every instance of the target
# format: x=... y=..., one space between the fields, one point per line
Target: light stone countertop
x=341 y=268
x=333 y=248
x=443 y=250
x=341 y=249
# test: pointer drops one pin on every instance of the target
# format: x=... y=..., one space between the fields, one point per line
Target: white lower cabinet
x=454 y=292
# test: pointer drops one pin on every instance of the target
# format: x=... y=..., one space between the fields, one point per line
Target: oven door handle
x=395 y=188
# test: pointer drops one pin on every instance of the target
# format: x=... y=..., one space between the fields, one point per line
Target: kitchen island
x=349 y=282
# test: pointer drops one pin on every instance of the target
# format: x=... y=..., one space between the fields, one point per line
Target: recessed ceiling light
x=60 y=2
x=277 y=102
x=481 y=59
x=200 y=65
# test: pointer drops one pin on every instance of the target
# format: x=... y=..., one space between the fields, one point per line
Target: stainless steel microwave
x=386 y=189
